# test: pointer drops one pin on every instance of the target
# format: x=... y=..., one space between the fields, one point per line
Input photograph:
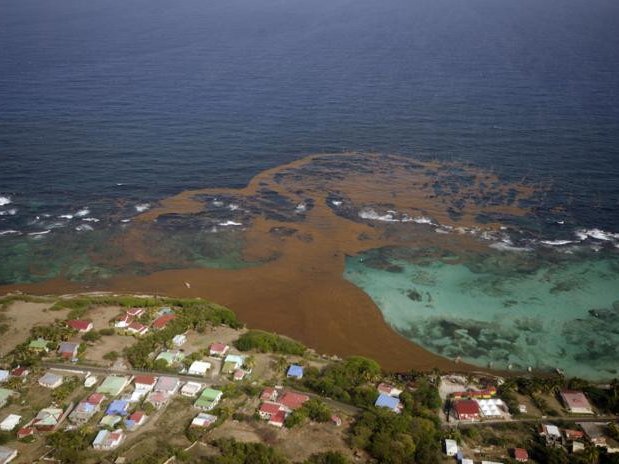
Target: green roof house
x=113 y=385
x=208 y=399
x=38 y=345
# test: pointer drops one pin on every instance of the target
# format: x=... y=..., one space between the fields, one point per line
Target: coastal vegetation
x=266 y=342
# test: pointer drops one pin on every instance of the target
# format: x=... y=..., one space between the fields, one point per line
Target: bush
x=329 y=457
x=91 y=336
x=107 y=331
x=266 y=342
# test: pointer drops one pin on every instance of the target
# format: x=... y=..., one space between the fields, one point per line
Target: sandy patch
x=95 y=352
x=21 y=317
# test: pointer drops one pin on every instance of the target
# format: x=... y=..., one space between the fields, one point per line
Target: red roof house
x=80 y=325
x=268 y=409
x=293 y=400
x=572 y=435
x=123 y=321
x=144 y=382
x=278 y=419
x=25 y=432
x=162 y=321
x=576 y=402
x=521 y=455
x=96 y=399
x=218 y=349
x=137 y=328
x=20 y=372
x=268 y=394
x=466 y=410
x=136 y=312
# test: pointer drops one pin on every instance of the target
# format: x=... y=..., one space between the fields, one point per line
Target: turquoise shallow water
x=501 y=309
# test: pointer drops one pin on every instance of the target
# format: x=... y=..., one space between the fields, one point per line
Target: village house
x=218 y=349
x=388 y=389
x=337 y=420
x=144 y=383
x=594 y=431
x=295 y=372
x=191 y=389
x=83 y=412
x=113 y=385
x=135 y=420
x=162 y=321
x=466 y=410
x=4 y=375
x=7 y=454
x=135 y=312
x=38 y=345
x=110 y=421
x=25 y=432
x=47 y=419
x=158 y=399
x=551 y=433
x=208 y=399
x=123 y=321
x=199 y=368
x=493 y=408
x=277 y=405
x=20 y=372
x=81 y=325
x=268 y=394
x=50 y=380
x=168 y=385
x=179 y=340
x=203 y=420
x=232 y=362
x=576 y=402
x=68 y=350
x=10 y=422
x=388 y=402
x=521 y=455
x=135 y=328
x=90 y=381
x=487 y=393
x=96 y=399
x=106 y=440
x=239 y=375
x=118 y=408
x=451 y=447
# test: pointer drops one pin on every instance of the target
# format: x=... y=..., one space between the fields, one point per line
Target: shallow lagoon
x=501 y=308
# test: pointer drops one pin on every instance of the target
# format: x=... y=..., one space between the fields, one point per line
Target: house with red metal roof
x=162 y=321
x=467 y=410
x=68 y=350
x=521 y=455
x=268 y=394
x=123 y=321
x=81 y=325
x=136 y=312
x=576 y=402
x=136 y=328
x=218 y=349
x=277 y=405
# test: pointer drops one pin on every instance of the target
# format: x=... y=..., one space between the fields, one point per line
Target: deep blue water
x=165 y=96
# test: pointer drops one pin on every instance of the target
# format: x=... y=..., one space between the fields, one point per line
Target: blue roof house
x=389 y=402
x=118 y=407
x=295 y=371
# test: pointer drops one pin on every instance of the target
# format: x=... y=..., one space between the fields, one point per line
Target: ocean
x=107 y=108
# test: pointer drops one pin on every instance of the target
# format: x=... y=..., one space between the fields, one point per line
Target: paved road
x=533 y=421
x=215 y=381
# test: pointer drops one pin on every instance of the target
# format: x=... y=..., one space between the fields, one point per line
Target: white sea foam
x=423 y=220
x=43 y=232
x=9 y=212
x=5 y=201
x=141 y=207
x=506 y=247
x=301 y=207
x=84 y=228
x=233 y=207
x=230 y=223
x=441 y=230
x=556 y=242
x=598 y=234
x=66 y=216
x=336 y=203
x=9 y=232
x=369 y=213
x=90 y=219
x=125 y=220
x=218 y=203
x=82 y=212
